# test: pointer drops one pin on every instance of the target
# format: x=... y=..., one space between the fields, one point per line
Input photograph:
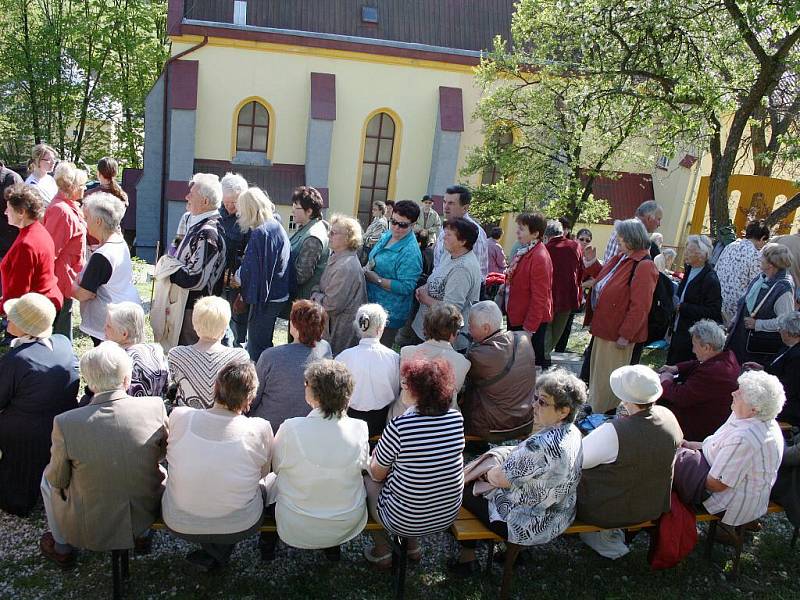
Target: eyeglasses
x=400 y=224
x=541 y=402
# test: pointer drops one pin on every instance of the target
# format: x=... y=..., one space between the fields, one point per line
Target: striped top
x=744 y=454
x=194 y=372
x=423 y=490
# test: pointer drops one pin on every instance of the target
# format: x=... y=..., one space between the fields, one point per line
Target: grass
x=562 y=569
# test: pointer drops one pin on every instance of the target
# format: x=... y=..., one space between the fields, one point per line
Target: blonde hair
x=351 y=229
x=210 y=317
x=39 y=150
x=253 y=208
x=69 y=178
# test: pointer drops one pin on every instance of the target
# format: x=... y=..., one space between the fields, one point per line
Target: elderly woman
x=528 y=495
x=698 y=391
x=416 y=473
x=741 y=458
x=455 y=280
x=39 y=380
x=738 y=264
x=28 y=264
x=627 y=462
x=280 y=369
x=375 y=369
x=394 y=265
x=318 y=460
x=441 y=326
x=377 y=228
x=665 y=260
x=217 y=460
x=698 y=297
x=64 y=221
x=617 y=309
x=529 y=283
x=264 y=273
x=233 y=186
x=125 y=326
x=43 y=159
x=194 y=369
x=310 y=243
x=754 y=330
x=342 y=288
x=108 y=275
x=202 y=250
x=566 y=256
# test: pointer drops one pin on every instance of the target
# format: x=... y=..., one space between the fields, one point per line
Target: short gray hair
x=129 y=318
x=709 y=333
x=777 y=255
x=633 y=233
x=763 y=392
x=209 y=187
x=669 y=252
x=567 y=390
x=648 y=207
x=486 y=312
x=370 y=320
x=106 y=367
x=233 y=184
x=553 y=229
x=790 y=323
x=702 y=243
x=109 y=209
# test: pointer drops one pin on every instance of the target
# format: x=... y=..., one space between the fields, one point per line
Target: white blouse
x=376 y=371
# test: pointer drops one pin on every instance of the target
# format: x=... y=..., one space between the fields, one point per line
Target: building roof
x=445 y=27
x=278 y=180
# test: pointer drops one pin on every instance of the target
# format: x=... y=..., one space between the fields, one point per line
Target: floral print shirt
x=737 y=266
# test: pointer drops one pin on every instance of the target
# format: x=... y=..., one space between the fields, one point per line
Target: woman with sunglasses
x=394 y=265
x=531 y=495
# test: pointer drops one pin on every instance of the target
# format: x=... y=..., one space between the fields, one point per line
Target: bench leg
x=115 y=574
x=125 y=567
x=489 y=557
x=399 y=565
x=512 y=551
x=712 y=532
x=737 y=549
x=794 y=537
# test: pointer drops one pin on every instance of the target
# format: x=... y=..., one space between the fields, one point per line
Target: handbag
x=766 y=343
x=500 y=298
x=239 y=306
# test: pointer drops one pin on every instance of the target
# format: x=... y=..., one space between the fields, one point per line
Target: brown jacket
x=104 y=459
x=506 y=403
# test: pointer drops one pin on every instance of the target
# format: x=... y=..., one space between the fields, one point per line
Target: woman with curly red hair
x=416 y=472
x=281 y=394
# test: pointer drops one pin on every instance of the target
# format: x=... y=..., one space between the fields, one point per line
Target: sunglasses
x=400 y=224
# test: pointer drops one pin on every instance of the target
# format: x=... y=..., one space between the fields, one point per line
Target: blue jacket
x=264 y=273
x=402 y=263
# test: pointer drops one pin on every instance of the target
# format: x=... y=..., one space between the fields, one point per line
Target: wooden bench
x=468 y=528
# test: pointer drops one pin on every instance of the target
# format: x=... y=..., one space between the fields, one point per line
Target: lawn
x=564 y=568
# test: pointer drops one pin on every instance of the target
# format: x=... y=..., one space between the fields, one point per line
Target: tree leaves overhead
x=75 y=73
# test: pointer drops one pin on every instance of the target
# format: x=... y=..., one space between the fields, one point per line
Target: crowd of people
x=403 y=338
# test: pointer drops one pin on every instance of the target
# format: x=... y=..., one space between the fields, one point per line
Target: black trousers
x=479 y=506
x=375 y=419
x=537 y=340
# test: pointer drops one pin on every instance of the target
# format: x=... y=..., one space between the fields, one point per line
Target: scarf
x=521 y=251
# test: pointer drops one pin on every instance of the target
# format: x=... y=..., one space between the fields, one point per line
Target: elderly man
x=428 y=220
x=310 y=251
x=567 y=258
x=202 y=251
x=233 y=185
x=456 y=205
x=650 y=214
x=502 y=374
x=699 y=391
x=103 y=485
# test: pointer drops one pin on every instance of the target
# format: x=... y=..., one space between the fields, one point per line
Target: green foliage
x=74 y=73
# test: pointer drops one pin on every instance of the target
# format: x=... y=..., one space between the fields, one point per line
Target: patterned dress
x=544 y=471
x=737 y=266
x=194 y=372
x=150 y=370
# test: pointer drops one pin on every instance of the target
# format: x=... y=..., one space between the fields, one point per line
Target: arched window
x=376 y=167
x=252 y=128
x=491 y=174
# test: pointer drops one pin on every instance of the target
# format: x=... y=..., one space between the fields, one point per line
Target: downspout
x=164 y=155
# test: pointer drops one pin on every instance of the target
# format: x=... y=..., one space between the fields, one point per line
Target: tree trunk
x=779 y=214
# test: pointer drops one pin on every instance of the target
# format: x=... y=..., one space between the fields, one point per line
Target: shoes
x=202 y=561
x=463 y=569
x=142 y=546
x=725 y=535
x=47 y=545
x=333 y=554
x=383 y=563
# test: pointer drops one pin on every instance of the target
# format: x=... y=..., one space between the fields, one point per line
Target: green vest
x=315 y=228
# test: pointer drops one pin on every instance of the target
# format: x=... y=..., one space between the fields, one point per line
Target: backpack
x=662 y=310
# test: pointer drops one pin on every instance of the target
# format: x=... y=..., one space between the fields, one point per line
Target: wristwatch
x=380 y=282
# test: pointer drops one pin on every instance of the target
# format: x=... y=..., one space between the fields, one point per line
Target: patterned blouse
x=194 y=372
x=544 y=471
x=737 y=266
x=150 y=371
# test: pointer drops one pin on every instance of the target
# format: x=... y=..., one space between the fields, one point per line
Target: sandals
x=381 y=562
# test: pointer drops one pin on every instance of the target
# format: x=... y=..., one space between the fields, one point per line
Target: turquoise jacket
x=402 y=263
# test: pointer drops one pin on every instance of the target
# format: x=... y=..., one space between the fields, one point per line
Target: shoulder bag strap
x=506 y=369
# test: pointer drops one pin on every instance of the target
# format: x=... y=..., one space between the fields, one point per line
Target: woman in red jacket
x=529 y=283
x=618 y=308
x=28 y=265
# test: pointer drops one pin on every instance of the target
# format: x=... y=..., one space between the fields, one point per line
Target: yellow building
x=364 y=103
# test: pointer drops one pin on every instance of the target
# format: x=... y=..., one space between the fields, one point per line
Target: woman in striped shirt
x=417 y=468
